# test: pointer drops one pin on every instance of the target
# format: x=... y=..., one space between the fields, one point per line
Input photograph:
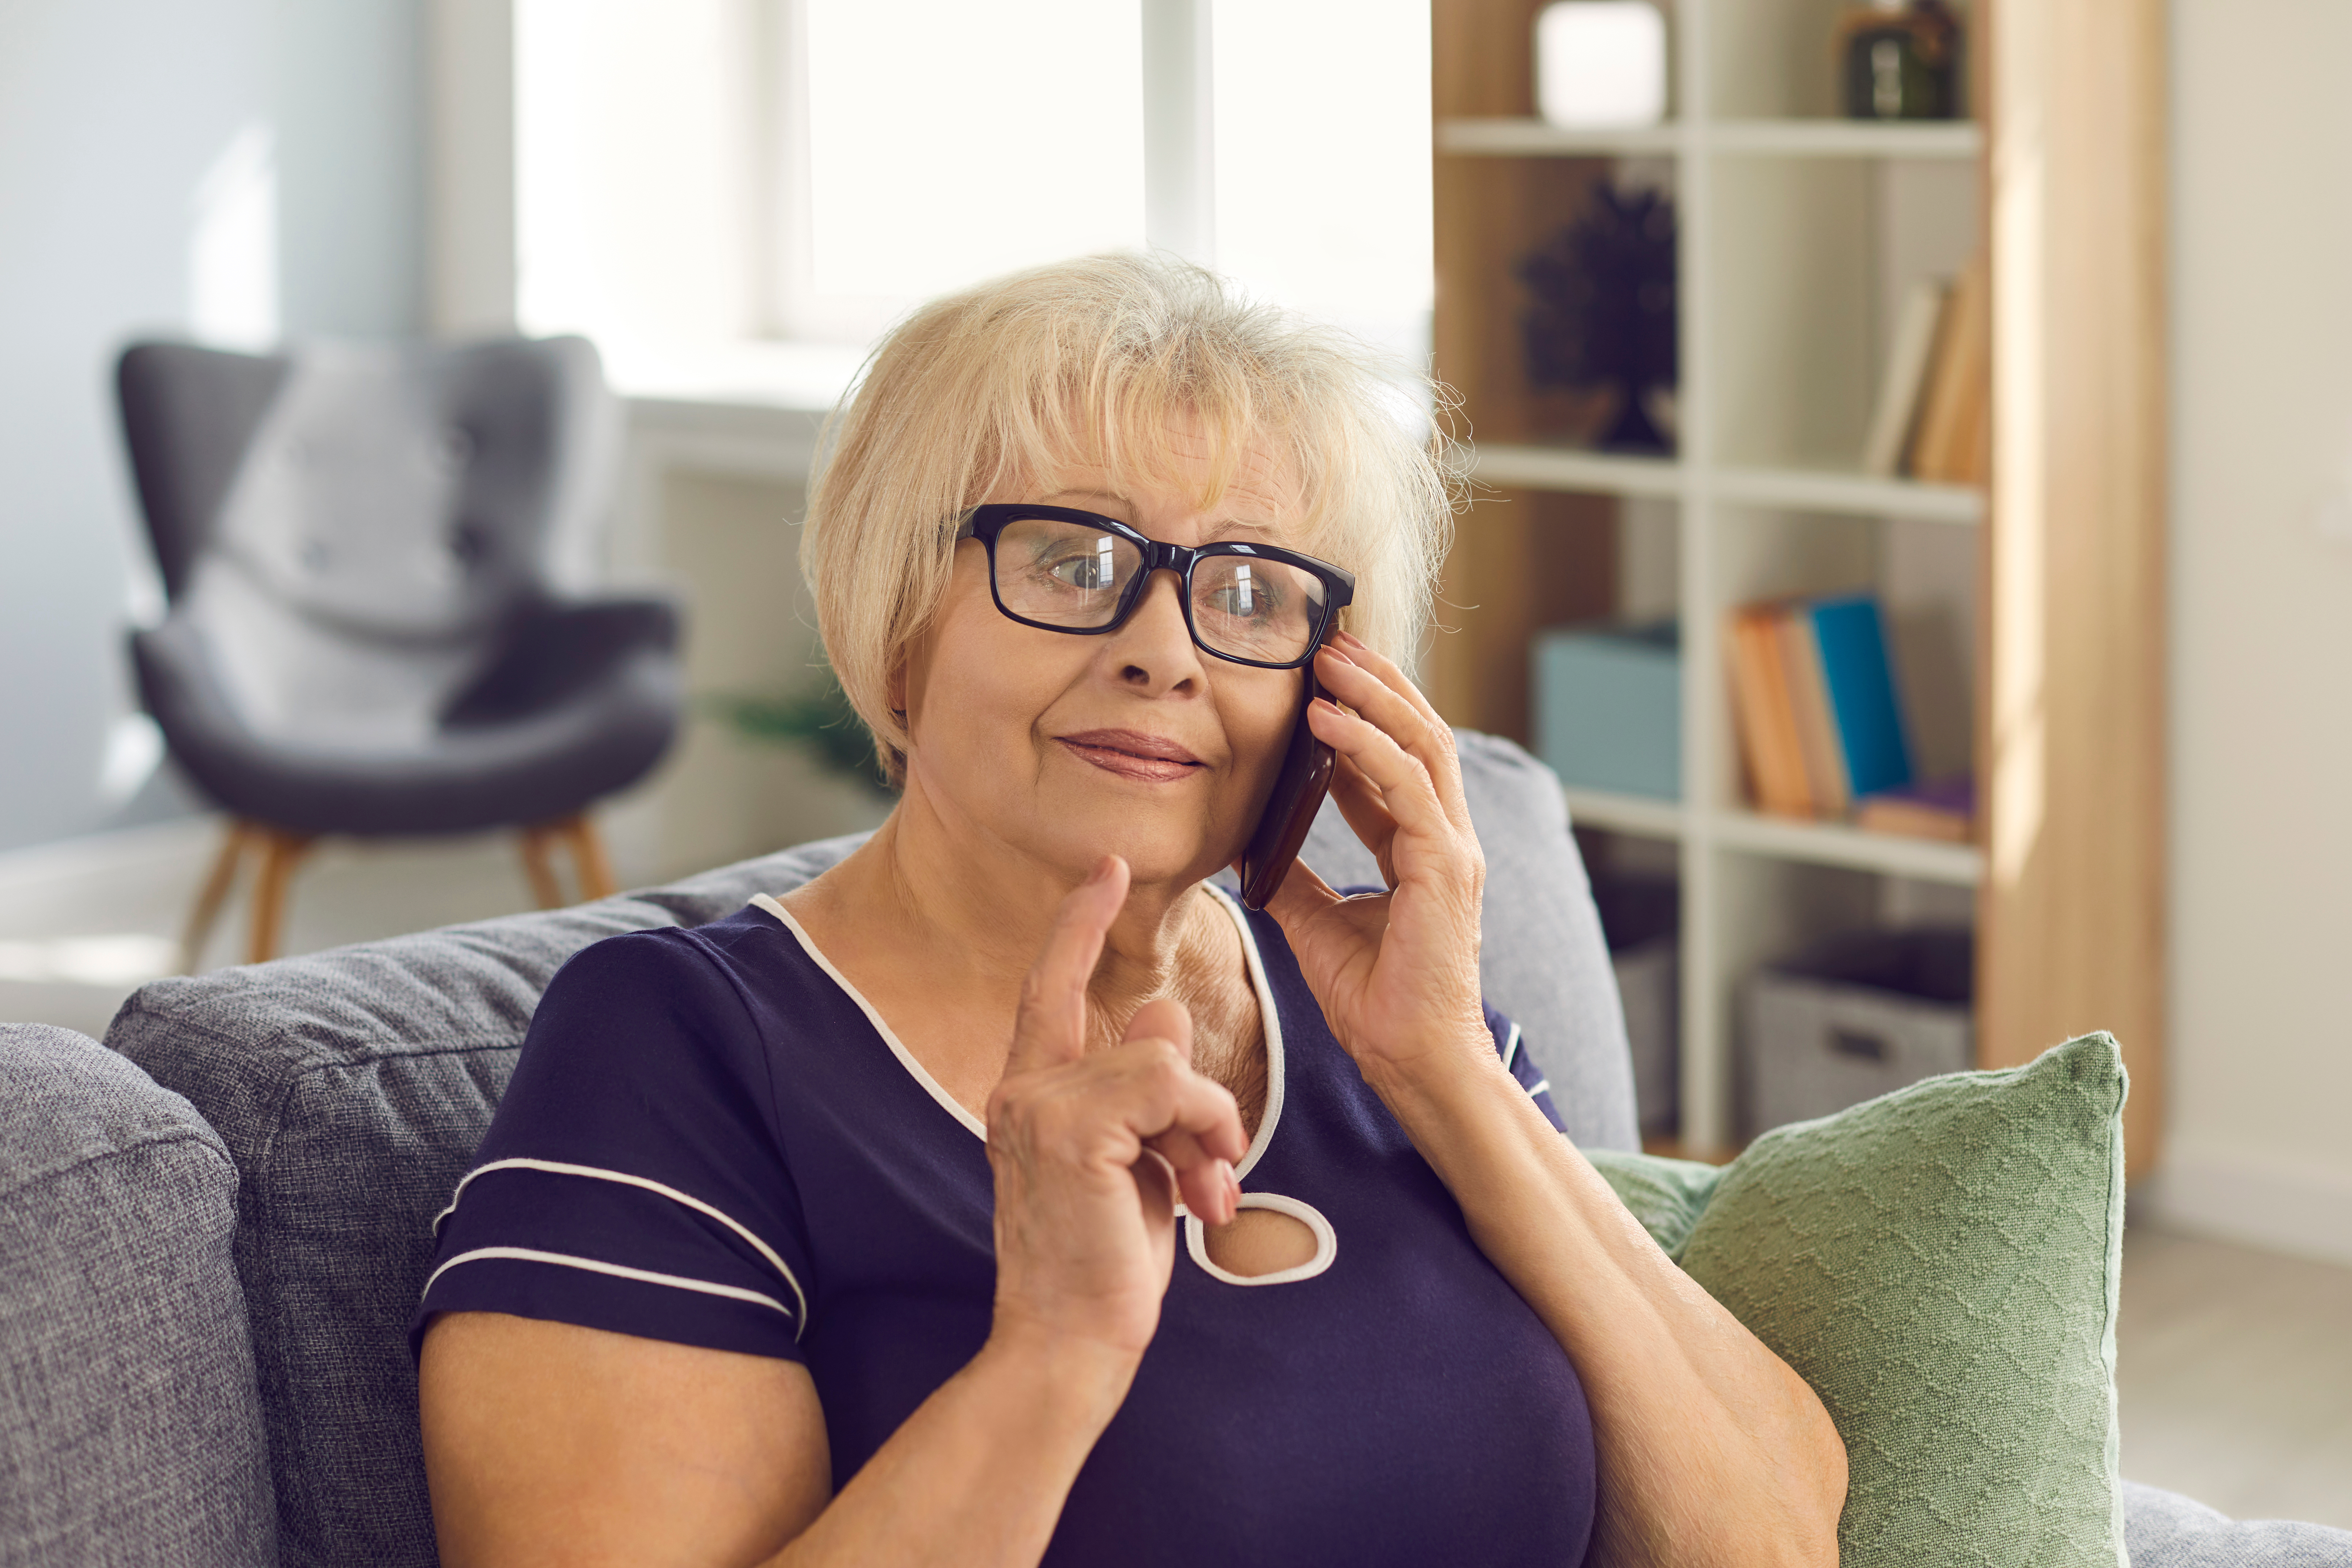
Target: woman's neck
x=979 y=909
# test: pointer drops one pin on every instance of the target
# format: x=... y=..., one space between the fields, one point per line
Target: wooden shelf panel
x=1779 y=837
x=1527 y=138
x=1510 y=467
x=1639 y=814
x=1835 y=844
x=1867 y=495
x=1514 y=137
x=1567 y=469
x=1957 y=138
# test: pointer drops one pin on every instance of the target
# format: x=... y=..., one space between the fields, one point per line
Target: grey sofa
x=212 y=1236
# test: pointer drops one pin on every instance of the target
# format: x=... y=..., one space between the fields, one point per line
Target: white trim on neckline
x=1271 y=1020
x=1269 y=1017
x=921 y=1073
x=1327 y=1242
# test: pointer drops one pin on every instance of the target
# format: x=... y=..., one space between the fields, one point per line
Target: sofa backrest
x=352 y=1088
x=130 y=1430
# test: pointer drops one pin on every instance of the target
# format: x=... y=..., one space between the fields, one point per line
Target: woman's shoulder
x=723 y=990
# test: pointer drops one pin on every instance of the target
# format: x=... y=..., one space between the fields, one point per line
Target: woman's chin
x=1162 y=846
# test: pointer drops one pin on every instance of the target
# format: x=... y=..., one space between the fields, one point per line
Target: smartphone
x=1298 y=792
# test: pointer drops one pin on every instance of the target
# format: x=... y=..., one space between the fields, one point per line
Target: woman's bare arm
x=1711 y=1449
x=545 y=1443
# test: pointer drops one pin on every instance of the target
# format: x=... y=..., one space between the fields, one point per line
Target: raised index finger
x=1051 y=1026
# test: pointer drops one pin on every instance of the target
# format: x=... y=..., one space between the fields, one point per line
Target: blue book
x=1861 y=689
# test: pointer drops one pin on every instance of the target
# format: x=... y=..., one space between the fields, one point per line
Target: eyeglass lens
x=1069 y=575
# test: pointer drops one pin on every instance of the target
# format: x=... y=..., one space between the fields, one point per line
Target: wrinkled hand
x=1091 y=1152
x=1397 y=972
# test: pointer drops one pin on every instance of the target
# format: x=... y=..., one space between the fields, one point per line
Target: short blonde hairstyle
x=1106 y=361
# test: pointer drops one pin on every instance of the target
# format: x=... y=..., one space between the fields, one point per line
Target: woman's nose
x=1154 y=649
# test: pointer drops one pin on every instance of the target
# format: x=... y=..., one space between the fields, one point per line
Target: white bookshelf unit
x=2027 y=620
x=1798 y=234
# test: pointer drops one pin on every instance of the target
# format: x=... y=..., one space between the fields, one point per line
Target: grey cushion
x=352 y=1088
x=129 y=1427
x=2165 y=1529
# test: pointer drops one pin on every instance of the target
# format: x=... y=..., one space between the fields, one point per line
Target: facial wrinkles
x=983 y=673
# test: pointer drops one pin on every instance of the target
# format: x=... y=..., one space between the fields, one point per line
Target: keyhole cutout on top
x=1260 y=1241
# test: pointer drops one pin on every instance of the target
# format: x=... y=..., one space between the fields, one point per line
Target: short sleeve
x=632 y=1179
x=1520 y=1063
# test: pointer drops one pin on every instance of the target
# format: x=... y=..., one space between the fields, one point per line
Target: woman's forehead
x=1253 y=486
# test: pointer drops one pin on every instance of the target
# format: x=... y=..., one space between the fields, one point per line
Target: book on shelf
x=1909 y=357
x=1766 y=717
x=1943 y=809
x=1820 y=724
x=1801 y=666
x=1953 y=442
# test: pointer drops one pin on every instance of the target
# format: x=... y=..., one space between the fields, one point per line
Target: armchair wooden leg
x=212 y=895
x=588 y=859
x=536 y=865
x=281 y=850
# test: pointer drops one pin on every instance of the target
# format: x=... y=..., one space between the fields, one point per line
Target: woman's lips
x=1132 y=755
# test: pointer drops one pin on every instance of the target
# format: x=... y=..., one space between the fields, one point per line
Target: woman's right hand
x=1092 y=1151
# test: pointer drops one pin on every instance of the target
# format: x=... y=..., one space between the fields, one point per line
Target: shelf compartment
x=1501 y=137
x=1835 y=844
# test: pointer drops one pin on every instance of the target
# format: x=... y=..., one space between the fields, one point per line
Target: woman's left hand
x=1397 y=972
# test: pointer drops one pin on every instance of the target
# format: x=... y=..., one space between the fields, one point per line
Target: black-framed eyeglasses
x=1061 y=570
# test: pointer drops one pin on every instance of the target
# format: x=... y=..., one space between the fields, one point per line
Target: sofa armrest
x=130 y=1424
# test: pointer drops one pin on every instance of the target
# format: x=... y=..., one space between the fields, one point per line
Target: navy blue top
x=712 y=1139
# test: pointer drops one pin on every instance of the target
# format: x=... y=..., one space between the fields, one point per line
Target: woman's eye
x=1244 y=596
x=1089 y=573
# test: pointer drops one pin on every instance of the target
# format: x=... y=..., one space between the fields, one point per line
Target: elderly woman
x=1009 y=1193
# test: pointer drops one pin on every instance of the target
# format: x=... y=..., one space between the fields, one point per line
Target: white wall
x=114 y=114
x=2261 y=1071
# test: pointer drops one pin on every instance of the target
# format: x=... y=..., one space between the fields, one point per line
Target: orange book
x=1953 y=442
x=1768 y=721
x=1809 y=697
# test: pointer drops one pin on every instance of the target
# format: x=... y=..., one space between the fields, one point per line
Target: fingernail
x=1347 y=639
x=1327 y=706
x=1103 y=869
x=1334 y=654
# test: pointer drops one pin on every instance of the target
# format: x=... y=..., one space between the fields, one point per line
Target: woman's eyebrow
x=1059 y=496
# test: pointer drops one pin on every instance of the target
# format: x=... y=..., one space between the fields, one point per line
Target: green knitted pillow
x=1942 y=1266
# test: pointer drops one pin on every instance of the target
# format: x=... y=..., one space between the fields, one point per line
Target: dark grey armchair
x=365 y=550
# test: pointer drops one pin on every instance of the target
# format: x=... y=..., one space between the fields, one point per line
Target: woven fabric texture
x=2165 y=1529
x=1942 y=1266
x=129 y=1428
x=351 y=1088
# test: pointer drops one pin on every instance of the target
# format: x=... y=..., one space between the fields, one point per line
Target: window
x=712 y=172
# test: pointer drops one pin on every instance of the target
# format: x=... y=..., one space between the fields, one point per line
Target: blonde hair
x=1105 y=360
